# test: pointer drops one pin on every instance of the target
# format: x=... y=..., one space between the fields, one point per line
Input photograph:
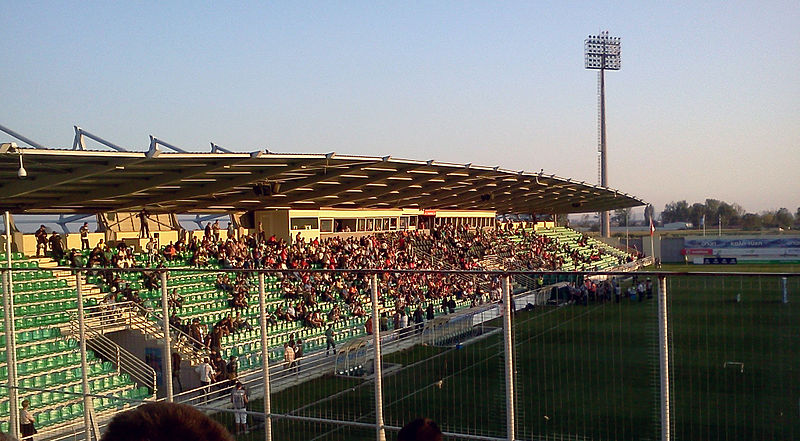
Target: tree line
x=716 y=212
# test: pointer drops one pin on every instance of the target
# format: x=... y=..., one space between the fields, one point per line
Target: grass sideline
x=592 y=372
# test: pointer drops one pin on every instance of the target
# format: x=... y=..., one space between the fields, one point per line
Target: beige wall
x=458 y=213
x=274 y=222
x=354 y=213
x=74 y=240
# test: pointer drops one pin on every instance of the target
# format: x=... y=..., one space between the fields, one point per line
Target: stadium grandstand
x=92 y=313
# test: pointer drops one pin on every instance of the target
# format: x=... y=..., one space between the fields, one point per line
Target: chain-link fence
x=358 y=354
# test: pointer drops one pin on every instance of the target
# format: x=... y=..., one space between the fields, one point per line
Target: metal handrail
x=185 y=343
x=124 y=361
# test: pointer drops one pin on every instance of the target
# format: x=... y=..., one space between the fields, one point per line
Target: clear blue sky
x=707 y=103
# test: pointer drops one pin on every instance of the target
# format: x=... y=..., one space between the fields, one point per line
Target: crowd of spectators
x=319 y=299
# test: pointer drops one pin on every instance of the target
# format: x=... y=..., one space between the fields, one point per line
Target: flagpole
x=652 y=231
x=626 y=229
x=652 y=248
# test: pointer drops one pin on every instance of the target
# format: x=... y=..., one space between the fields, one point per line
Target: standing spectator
x=26 y=420
x=176 y=370
x=233 y=369
x=239 y=401
x=383 y=322
x=298 y=352
x=368 y=326
x=144 y=228
x=85 y=236
x=429 y=313
x=207 y=230
x=221 y=370
x=56 y=248
x=152 y=250
x=261 y=235
x=196 y=332
x=403 y=322
x=41 y=241
x=206 y=373
x=419 y=317
x=215 y=229
x=231 y=231
x=640 y=291
x=288 y=355
x=330 y=342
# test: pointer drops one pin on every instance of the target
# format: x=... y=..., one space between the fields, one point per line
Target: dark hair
x=421 y=429
x=164 y=422
x=6 y=437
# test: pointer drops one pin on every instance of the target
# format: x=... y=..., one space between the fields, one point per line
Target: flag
x=652 y=227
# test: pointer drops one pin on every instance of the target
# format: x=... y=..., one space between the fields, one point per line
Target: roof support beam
x=400 y=186
x=466 y=198
x=211 y=187
x=288 y=186
x=352 y=185
x=428 y=186
x=78 y=143
x=334 y=173
x=436 y=192
x=22 y=138
x=126 y=190
x=36 y=182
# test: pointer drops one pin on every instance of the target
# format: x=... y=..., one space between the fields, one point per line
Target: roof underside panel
x=68 y=181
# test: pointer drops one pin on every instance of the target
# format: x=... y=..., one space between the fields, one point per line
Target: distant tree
x=738 y=211
x=696 y=214
x=751 y=222
x=586 y=220
x=675 y=212
x=768 y=219
x=783 y=218
x=728 y=214
x=649 y=213
x=797 y=216
x=712 y=209
x=621 y=216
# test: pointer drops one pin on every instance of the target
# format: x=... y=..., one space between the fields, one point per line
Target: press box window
x=305 y=223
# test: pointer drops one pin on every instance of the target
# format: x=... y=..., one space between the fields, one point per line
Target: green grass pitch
x=591 y=372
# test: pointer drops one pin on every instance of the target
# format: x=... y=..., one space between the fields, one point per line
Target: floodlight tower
x=601 y=53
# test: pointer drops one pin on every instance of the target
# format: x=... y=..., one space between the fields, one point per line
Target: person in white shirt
x=206 y=373
x=152 y=250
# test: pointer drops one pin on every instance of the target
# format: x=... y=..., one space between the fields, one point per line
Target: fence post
x=87 y=400
x=265 y=358
x=11 y=359
x=785 y=290
x=663 y=351
x=167 y=360
x=380 y=433
x=509 y=358
x=11 y=346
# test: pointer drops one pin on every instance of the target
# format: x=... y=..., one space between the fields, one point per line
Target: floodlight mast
x=601 y=53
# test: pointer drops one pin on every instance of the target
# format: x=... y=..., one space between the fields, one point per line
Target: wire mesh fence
x=585 y=354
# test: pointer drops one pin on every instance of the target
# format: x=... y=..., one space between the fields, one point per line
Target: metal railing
x=570 y=331
x=124 y=361
x=151 y=323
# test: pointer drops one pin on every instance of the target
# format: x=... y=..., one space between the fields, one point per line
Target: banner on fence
x=753 y=249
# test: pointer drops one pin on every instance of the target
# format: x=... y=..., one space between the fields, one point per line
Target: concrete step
x=45 y=262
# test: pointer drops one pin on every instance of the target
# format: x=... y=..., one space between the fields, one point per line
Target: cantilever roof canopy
x=81 y=181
